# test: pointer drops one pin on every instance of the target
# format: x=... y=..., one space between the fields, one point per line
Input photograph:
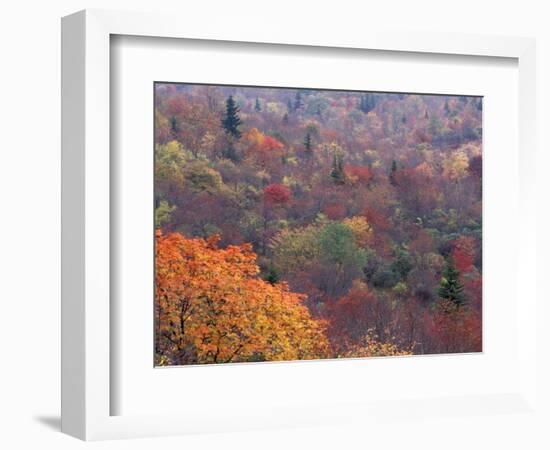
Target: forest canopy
x=304 y=224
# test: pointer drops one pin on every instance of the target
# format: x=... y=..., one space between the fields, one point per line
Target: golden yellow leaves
x=371 y=347
x=361 y=229
x=455 y=167
x=212 y=307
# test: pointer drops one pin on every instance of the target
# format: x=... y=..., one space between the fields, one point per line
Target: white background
x=29 y=177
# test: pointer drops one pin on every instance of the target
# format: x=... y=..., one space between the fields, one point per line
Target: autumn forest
x=310 y=224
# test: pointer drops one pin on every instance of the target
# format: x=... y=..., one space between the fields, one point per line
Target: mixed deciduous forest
x=305 y=224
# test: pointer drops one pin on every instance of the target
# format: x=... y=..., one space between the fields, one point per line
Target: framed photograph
x=267 y=229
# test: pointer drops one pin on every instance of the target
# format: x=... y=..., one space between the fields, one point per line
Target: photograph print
x=305 y=224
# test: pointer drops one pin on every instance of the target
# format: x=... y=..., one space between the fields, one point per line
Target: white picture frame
x=86 y=220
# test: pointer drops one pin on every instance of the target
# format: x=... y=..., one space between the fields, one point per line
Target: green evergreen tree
x=285 y=119
x=272 y=275
x=393 y=171
x=232 y=121
x=367 y=103
x=337 y=172
x=450 y=287
x=257 y=106
x=308 y=144
x=174 y=126
x=371 y=102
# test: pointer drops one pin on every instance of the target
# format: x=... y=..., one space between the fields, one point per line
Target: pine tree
x=231 y=121
x=426 y=115
x=447 y=108
x=393 y=171
x=337 y=172
x=450 y=287
x=174 y=126
x=308 y=144
x=272 y=275
x=367 y=103
x=371 y=102
x=285 y=119
x=257 y=106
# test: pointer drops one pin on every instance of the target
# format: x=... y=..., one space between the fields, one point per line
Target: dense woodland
x=302 y=224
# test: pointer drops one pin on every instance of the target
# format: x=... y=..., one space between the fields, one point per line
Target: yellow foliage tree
x=361 y=229
x=371 y=347
x=455 y=167
x=211 y=307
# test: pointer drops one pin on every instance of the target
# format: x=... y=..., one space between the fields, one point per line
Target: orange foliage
x=211 y=307
x=265 y=150
x=271 y=144
x=359 y=174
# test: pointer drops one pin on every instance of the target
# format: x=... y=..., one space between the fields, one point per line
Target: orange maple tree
x=263 y=149
x=211 y=307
